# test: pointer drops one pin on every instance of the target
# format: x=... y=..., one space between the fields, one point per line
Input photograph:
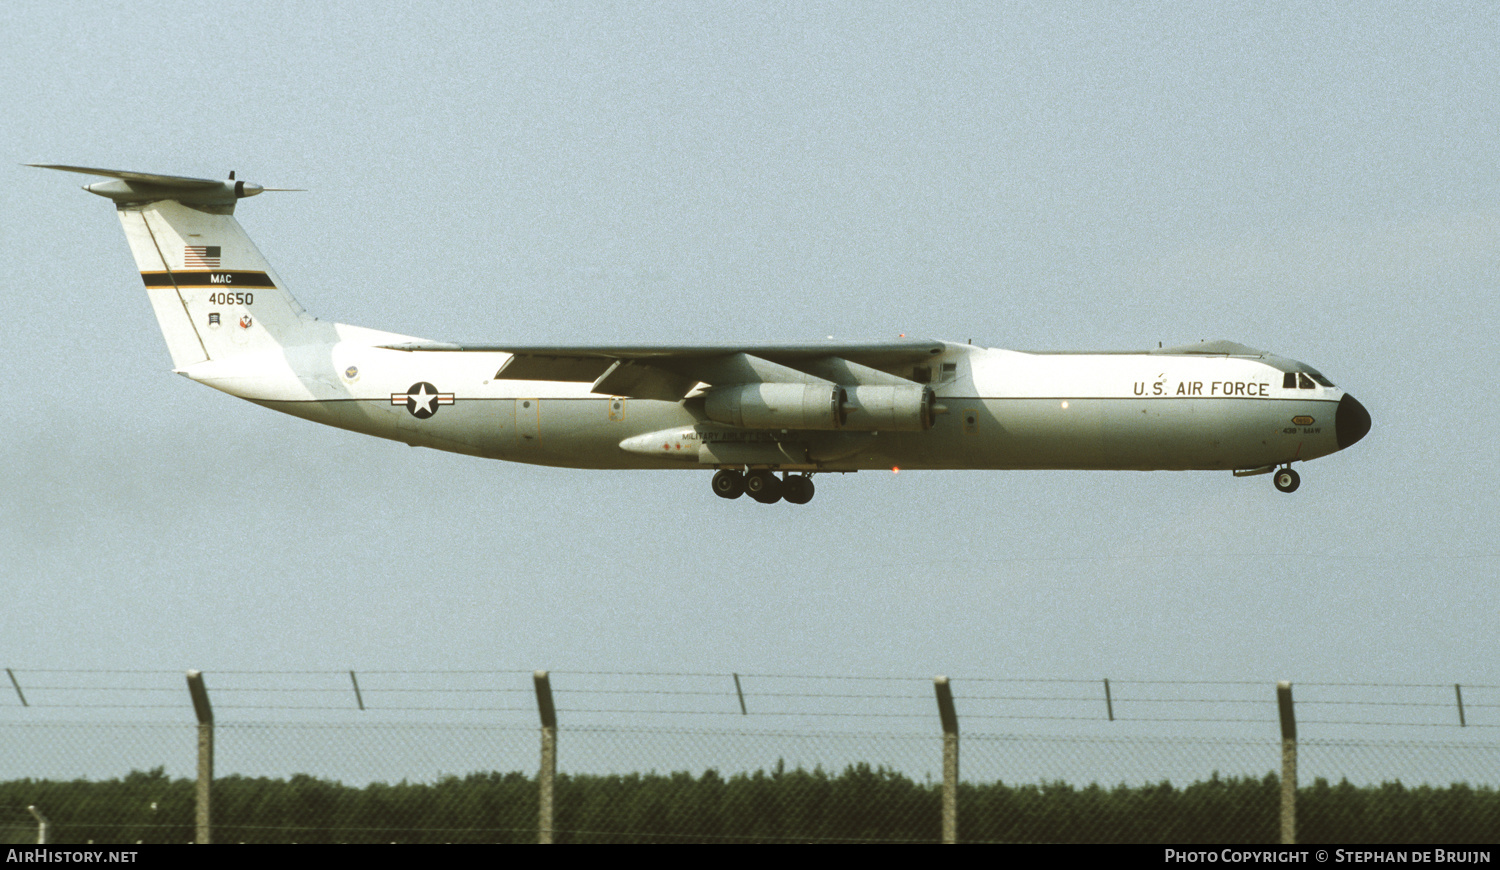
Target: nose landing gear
x=764 y=486
x=1287 y=480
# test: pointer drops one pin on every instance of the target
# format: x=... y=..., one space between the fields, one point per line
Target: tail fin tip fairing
x=143 y=187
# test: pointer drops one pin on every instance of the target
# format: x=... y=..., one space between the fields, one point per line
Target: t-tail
x=215 y=296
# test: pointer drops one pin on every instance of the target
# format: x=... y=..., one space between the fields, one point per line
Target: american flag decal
x=200 y=257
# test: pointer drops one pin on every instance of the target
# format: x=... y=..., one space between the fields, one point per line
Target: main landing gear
x=764 y=486
x=1286 y=479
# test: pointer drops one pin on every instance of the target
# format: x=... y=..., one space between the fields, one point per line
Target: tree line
x=861 y=803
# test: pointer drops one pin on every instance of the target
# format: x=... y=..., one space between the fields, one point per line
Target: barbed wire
x=763 y=696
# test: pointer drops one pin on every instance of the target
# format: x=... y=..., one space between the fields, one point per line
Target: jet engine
x=777 y=406
x=824 y=406
x=890 y=409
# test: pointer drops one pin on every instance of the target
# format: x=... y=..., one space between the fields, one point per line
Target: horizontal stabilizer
x=143 y=187
x=179 y=181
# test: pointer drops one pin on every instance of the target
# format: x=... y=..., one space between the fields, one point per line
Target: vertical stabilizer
x=214 y=295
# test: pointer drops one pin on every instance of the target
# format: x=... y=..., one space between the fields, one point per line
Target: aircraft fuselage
x=1003 y=410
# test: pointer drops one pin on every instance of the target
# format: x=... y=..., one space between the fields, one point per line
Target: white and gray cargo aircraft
x=765 y=417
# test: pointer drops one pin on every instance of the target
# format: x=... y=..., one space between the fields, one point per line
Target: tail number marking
x=231 y=298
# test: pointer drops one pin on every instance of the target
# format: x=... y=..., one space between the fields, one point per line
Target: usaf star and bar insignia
x=422 y=399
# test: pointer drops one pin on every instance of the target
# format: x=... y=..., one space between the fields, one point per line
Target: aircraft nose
x=1352 y=421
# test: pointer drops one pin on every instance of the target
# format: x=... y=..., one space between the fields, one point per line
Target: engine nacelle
x=777 y=406
x=890 y=409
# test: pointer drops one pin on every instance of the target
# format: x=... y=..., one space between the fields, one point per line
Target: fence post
x=1288 y=764
x=19 y=694
x=41 y=825
x=547 y=777
x=949 y=718
x=205 y=715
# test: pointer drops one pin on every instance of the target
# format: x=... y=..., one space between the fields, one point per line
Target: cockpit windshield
x=1304 y=381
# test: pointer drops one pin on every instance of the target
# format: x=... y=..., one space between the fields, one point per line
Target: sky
x=1318 y=180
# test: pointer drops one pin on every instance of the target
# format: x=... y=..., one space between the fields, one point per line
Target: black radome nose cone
x=1352 y=422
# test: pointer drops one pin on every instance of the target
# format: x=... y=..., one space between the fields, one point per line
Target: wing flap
x=524 y=366
x=641 y=381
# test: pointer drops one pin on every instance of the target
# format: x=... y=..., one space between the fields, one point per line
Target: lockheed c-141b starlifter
x=764 y=418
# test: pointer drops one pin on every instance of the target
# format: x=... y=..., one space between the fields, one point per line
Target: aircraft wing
x=670 y=373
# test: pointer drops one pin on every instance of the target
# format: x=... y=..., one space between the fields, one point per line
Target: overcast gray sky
x=1319 y=180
